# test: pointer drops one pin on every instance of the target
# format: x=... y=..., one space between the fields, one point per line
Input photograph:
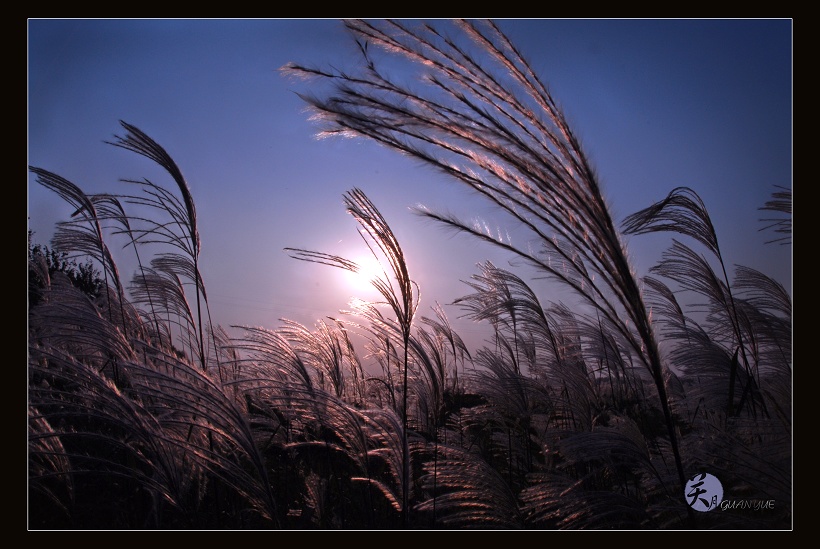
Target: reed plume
x=181 y=231
x=399 y=291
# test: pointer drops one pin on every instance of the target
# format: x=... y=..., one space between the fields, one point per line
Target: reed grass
x=142 y=414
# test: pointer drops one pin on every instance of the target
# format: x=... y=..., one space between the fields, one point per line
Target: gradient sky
x=657 y=104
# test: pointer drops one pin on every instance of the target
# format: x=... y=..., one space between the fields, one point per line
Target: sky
x=657 y=104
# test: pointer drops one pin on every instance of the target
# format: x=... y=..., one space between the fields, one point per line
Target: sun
x=360 y=283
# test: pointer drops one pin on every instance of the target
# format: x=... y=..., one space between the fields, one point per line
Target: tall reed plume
x=396 y=287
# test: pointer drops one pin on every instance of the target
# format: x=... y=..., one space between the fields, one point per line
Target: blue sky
x=657 y=104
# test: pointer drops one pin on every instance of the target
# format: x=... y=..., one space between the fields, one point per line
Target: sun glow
x=360 y=283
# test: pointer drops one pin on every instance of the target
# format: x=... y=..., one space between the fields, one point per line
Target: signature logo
x=703 y=492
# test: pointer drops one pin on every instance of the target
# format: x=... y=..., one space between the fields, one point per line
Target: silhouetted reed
x=143 y=415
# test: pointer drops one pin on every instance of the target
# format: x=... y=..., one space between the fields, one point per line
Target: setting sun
x=360 y=283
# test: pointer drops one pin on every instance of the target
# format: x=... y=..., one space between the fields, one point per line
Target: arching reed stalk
x=400 y=293
x=738 y=348
x=448 y=338
x=182 y=231
x=83 y=235
x=111 y=208
x=682 y=211
x=159 y=284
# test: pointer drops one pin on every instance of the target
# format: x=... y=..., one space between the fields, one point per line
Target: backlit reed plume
x=396 y=287
x=82 y=236
x=180 y=231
